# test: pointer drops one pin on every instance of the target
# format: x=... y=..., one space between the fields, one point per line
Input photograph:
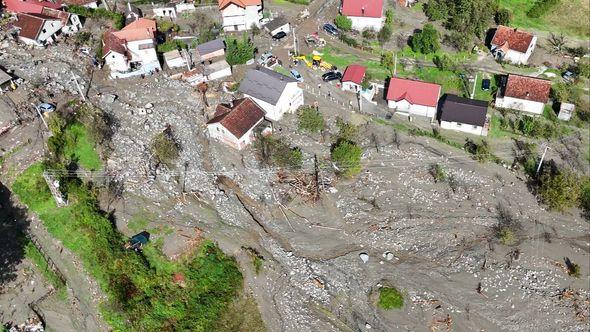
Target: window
x=146 y=46
x=474 y=127
x=458 y=124
x=44 y=31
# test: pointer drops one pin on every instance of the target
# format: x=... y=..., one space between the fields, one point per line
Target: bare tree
x=557 y=42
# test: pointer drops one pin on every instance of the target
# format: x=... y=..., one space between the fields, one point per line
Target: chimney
x=363 y=10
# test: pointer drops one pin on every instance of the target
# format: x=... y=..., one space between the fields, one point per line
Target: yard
x=569 y=17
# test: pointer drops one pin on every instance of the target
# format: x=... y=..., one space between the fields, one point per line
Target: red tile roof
x=363 y=8
x=58 y=14
x=415 y=92
x=528 y=88
x=240 y=118
x=78 y=2
x=354 y=73
x=110 y=42
x=139 y=29
x=239 y=3
x=512 y=39
x=30 y=6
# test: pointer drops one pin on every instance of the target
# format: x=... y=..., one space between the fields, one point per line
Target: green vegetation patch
x=142 y=295
x=390 y=298
x=32 y=253
x=78 y=145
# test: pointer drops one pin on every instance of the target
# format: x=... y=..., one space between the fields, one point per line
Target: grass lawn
x=142 y=295
x=569 y=17
x=81 y=147
x=390 y=298
x=495 y=131
x=335 y=57
x=485 y=95
x=282 y=70
x=450 y=81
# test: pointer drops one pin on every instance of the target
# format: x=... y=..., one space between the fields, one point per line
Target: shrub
x=438 y=173
x=390 y=298
x=481 y=152
x=346 y=155
x=541 y=7
x=426 y=41
x=343 y=23
x=585 y=196
x=444 y=62
x=310 y=119
x=458 y=40
x=346 y=131
x=171 y=45
x=573 y=269
x=167 y=26
x=369 y=34
x=384 y=34
x=388 y=17
x=277 y=151
x=116 y=18
x=165 y=149
x=239 y=52
x=559 y=189
x=503 y=17
x=348 y=40
x=507 y=227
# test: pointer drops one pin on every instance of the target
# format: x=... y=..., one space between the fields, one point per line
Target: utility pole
x=317 y=175
x=41 y=116
x=395 y=64
x=542 y=158
x=295 y=46
x=78 y=86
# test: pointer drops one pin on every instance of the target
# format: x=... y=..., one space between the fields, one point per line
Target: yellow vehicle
x=302 y=58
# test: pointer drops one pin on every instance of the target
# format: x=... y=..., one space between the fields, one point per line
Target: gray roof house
x=277 y=25
x=463 y=114
x=211 y=49
x=274 y=92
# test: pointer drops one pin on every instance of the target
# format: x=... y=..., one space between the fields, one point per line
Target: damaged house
x=131 y=51
x=234 y=124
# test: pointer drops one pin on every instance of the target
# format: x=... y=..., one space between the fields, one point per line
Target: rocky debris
x=33 y=324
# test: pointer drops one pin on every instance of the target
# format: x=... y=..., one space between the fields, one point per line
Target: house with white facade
x=166 y=10
x=131 y=51
x=279 y=24
x=353 y=78
x=525 y=94
x=410 y=97
x=276 y=93
x=513 y=45
x=83 y=3
x=234 y=124
x=37 y=29
x=70 y=22
x=239 y=15
x=463 y=114
x=217 y=69
x=364 y=14
x=174 y=59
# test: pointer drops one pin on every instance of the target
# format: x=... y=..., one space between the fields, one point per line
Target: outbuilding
x=279 y=24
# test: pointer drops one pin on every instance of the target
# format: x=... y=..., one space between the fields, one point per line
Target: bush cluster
x=541 y=7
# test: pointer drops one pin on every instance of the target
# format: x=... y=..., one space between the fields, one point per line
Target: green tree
x=585 y=196
x=343 y=23
x=444 y=62
x=388 y=61
x=503 y=17
x=561 y=92
x=239 y=52
x=384 y=35
x=346 y=155
x=346 y=131
x=310 y=119
x=389 y=17
x=470 y=17
x=560 y=190
x=459 y=40
x=165 y=149
x=366 y=83
x=426 y=41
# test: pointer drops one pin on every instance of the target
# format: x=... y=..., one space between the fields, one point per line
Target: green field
x=570 y=17
x=142 y=295
x=77 y=145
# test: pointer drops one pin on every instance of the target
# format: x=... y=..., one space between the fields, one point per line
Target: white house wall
x=185 y=7
x=218 y=132
x=290 y=101
x=351 y=86
x=165 y=12
x=528 y=106
x=116 y=62
x=50 y=28
x=218 y=53
x=220 y=73
x=145 y=56
x=403 y=106
x=466 y=128
x=362 y=23
x=236 y=18
x=286 y=28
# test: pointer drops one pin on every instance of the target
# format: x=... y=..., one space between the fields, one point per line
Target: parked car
x=332 y=76
x=330 y=29
x=264 y=58
x=568 y=76
x=46 y=107
x=280 y=35
x=296 y=75
x=486 y=84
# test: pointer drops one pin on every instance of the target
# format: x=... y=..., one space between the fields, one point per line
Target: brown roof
x=30 y=25
x=110 y=42
x=57 y=14
x=239 y=118
x=528 y=88
x=78 y=2
x=513 y=39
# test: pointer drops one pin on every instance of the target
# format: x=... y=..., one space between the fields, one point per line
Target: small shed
x=174 y=59
x=277 y=25
x=565 y=111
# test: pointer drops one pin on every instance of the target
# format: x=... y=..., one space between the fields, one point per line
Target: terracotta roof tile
x=528 y=88
x=513 y=39
x=139 y=29
x=415 y=92
x=110 y=42
x=354 y=73
x=30 y=6
x=240 y=3
x=58 y=14
x=362 y=8
x=30 y=24
x=240 y=118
